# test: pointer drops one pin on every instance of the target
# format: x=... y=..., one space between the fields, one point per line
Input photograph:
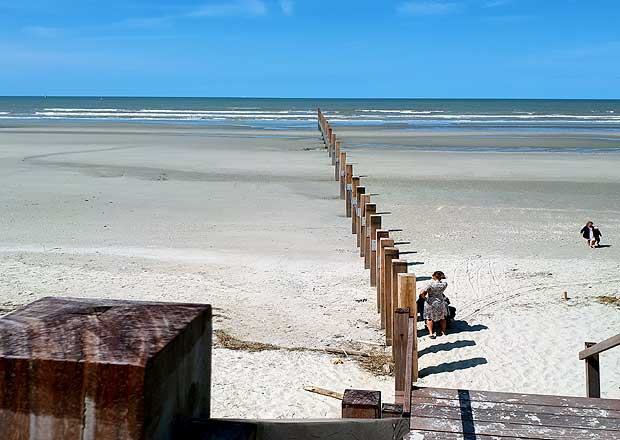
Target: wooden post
x=343 y=181
x=361 y=404
x=361 y=221
x=336 y=162
x=355 y=182
x=390 y=254
x=398 y=267
x=411 y=366
x=335 y=154
x=407 y=297
x=359 y=190
x=401 y=333
x=329 y=138
x=332 y=144
x=383 y=244
x=375 y=236
x=370 y=210
x=348 y=188
x=593 y=374
x=77 y=368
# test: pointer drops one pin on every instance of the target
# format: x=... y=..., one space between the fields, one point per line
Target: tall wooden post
x=348 y=188
x=343 y=181
x=329 y=138
x=401 y=333
x=336 y=161
x=371 y=209
x=407 y=297
x=390 y=253
x=359 y=190
x=332 y=143
x=375 y=228
x=335 y=152
x=361 y=221
x=383 y=244
x=398 y=267
x=356 y=184
x=593 y=374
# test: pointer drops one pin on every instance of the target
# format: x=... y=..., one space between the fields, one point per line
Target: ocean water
x=483 y=114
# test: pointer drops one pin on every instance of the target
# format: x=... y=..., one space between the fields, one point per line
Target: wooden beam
x=398 y=267
x=361 y=404
x=343 y=167
x=401 y=333
x=593 y=374
x=355 y=182
x=361 y=221
x=375 y=226
x=598 y=348
x=390 y=254
x=383 y=243
x=369 y=211
x=359 y=191
x=348 y=188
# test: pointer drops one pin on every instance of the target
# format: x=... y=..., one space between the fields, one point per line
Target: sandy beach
x=250 y=221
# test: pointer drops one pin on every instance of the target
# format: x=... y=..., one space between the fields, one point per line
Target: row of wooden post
x=396 y=289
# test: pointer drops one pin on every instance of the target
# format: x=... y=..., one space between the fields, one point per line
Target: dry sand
x=250 y=221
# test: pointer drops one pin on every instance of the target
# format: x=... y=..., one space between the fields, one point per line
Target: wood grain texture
x=88 y=368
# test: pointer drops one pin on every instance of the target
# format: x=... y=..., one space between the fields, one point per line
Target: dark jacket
x=585 y=233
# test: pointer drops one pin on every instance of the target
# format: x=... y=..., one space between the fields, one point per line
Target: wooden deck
x=447 y=414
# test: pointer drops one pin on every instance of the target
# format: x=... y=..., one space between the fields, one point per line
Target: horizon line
x=307 y=98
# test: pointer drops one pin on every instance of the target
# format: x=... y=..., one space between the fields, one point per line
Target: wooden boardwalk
x=447 y=414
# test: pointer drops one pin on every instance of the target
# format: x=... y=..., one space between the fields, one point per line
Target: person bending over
x=435 y=307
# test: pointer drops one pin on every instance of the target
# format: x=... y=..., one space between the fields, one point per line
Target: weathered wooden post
x=593 y=374
x=356 y=194
x=349 y=188
x=355 y=182
x=398 y=267
x=375 y=228
x=336 y=162
x=407 y=297
x=399 y=349
x=390 y=254
x=328 y=138
x=85 y=369
x=343 y=180
x=335 y=152
x=333 y=145
x=361 y=404
x=383 y=244
x=361 y=221
x=369 y=211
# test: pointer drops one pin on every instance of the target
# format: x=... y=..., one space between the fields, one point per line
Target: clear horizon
x=416 y=49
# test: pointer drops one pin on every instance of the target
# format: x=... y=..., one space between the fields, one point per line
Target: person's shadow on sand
x=602 y=246
x=446 y=346
x=449 y=367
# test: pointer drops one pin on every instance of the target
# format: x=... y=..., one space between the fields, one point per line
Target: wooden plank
x=602 y=346
x=432 y=435
x=524 y=399
x=503 y=406
x=324 y=392
x=509 y=429
x=334 y=429
x=522 y=417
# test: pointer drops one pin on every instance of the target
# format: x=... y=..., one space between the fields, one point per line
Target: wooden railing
x=590 y=355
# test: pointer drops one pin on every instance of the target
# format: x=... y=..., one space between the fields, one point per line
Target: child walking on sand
x=435 y=307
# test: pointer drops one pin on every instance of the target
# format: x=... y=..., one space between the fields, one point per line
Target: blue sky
x=311 y=48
